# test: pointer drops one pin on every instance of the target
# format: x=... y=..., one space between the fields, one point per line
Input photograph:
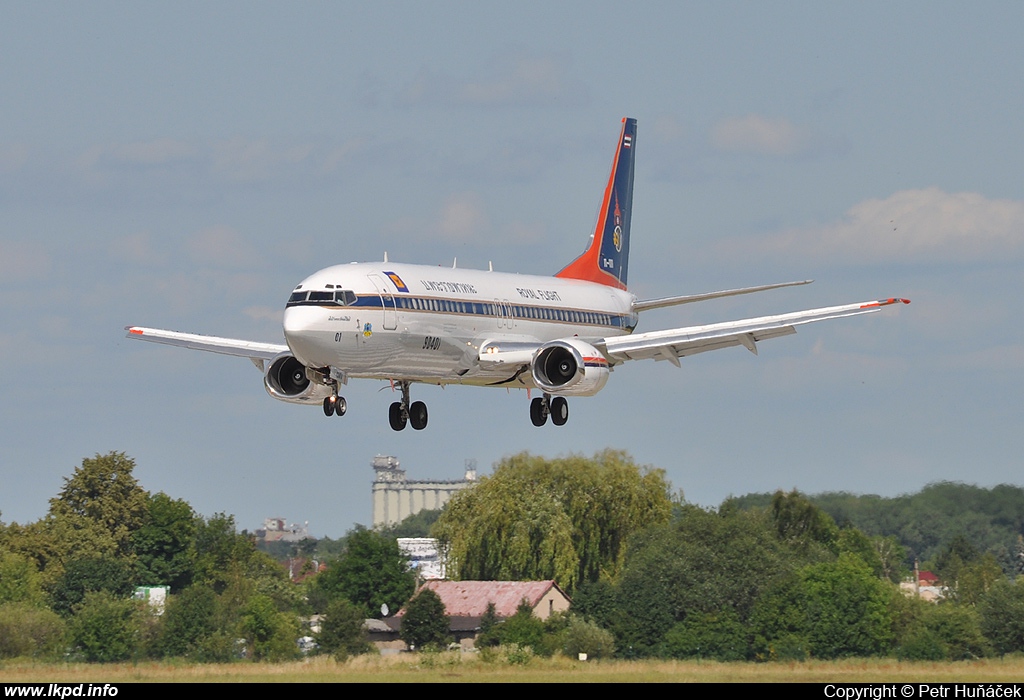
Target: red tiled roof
x=470 y=598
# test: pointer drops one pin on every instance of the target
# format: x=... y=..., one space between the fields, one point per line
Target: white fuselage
x=428 y=324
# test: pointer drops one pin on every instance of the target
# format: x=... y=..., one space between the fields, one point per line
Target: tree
x=847 y=609
x=28 y=630
x=703 y=563
x=581 y=636
x=269 y=634
x=341 y=631
x=802 y=524
x=105 y=628
x=416 y=525
x=221 y=553
x=488 y=636
x=718 y=636
x=564 y=519
x=1002 y=616
x=523 y=629
x=19 y=580
x=189 y=619
x=88 y=575
x=425 y=621
x=165 y=543
x=100 y=507
x=372 y=572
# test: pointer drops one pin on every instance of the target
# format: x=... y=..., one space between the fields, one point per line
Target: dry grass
x=452 y=667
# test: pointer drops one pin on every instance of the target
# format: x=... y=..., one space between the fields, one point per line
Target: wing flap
x=208 y=343
x=683 y=342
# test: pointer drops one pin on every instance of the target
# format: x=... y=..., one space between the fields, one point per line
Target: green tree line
x=764 y=577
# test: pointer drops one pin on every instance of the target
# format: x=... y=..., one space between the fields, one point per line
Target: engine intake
x=287 y=380
x=569 y=368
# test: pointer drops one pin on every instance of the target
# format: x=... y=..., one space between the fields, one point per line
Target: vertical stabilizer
x=606 y=258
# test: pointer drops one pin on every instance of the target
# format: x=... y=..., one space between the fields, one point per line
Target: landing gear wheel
x=537 y=413
x=340 y=406
x=396 y=416
x=418 y=415
x=559 y=410
x=328 y=406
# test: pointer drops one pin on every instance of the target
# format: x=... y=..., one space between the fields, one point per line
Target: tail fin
x=606 y=258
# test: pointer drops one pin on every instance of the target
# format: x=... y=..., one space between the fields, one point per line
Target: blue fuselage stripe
x=460 y=307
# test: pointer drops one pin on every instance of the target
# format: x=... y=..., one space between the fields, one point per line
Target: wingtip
x=885 y=302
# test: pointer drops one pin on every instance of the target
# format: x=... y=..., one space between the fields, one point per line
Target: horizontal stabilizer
x=648 y=304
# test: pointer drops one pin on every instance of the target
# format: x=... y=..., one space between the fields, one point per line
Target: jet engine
x=287 y=380
x=569 y=368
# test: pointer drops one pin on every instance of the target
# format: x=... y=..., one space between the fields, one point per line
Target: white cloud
x=758 y=135
x=221 y=246
x=13 y=157
x=240 y=159
x=523 y=80
x=136 y=248
x=264 y=313
x=515 y=80
x=926 y=225
x=520 y=232
x=22 y=261
x=462 y=217
x=156 y=152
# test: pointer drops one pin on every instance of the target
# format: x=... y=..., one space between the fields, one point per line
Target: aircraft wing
x=681 y=342
x=257 y=352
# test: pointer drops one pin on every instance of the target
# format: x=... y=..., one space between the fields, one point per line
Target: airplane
x=562 y=335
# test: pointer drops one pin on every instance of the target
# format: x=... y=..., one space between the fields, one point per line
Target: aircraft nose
x=300 y=331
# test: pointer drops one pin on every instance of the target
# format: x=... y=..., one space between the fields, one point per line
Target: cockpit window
x=342 y=297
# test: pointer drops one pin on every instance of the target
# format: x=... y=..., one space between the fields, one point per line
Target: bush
x=30 y=631
x=425 y=621
x=341 y=631
x=718 y=636
x=269 y=634
x=105 y=628
x=582 y=637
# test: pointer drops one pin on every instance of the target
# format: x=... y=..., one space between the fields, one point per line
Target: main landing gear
x=541 y=408
x=402 y=412
x=335 y=405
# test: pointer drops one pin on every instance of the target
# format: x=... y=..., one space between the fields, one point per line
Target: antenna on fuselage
x=490 y=266
x=455 y=262
x=385 y=256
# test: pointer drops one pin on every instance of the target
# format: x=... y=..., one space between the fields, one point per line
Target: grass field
x=451 y=667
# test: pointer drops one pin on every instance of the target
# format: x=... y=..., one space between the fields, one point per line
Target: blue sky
x=184 y=166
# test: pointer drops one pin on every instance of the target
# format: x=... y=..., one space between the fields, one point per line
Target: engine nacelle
x=287 y=380
x=569 y=368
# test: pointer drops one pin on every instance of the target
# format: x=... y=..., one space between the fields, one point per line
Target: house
x=465 y=602
x=924 y=585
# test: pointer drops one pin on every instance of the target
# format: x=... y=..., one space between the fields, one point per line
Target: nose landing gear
x=335 y=405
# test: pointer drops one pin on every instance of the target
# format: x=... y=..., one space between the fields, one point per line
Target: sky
x=184 y=165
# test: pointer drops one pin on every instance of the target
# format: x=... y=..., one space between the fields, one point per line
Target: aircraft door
x=387 y=301
x=503 y=313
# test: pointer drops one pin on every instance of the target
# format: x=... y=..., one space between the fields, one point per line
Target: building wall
x=395 y=498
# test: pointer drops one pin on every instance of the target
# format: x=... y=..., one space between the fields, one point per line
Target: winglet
x=606 y=258
x=885 y=302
